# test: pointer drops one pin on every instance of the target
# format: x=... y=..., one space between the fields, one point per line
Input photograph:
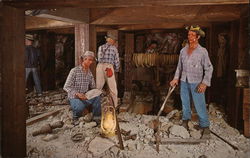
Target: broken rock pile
x=138 y=138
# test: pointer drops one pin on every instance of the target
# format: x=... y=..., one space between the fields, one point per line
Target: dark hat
x=112 y=37
x=29 y=37
x=196 y=29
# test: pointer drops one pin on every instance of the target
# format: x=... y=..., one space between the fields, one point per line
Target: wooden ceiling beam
x=158 y=26
x=71 y=15
x=43 y=4
x=173 y=14
x=37 y=23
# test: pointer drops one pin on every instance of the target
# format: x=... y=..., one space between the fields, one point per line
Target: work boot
x=185 y=124
x=206 y=133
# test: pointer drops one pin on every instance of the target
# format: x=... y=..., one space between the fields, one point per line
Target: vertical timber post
x=81 y=40
x=13 y=127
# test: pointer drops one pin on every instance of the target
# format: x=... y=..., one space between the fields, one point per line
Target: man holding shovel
x=194 y=70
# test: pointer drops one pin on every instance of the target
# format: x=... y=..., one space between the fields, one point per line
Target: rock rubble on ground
x=59 y=144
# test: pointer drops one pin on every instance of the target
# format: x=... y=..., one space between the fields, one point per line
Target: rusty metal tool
x=156 y=122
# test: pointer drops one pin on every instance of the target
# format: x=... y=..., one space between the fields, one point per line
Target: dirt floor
x=59 y=143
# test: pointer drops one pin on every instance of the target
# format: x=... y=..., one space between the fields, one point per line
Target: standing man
x=79 y=81
x=195 y=71
x=32 y=61
x=108 y=64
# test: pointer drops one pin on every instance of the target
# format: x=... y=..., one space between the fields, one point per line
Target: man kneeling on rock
x=79 y=81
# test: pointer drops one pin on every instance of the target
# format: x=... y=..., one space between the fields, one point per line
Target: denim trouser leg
x=27 y=73
x=35 y=78
x=96 y=103
x=79 y=105
x=185 y=99
x=200 y=105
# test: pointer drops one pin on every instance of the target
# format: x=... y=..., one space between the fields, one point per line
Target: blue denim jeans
x=79 y=105
x=188 y=91
x=35 y=78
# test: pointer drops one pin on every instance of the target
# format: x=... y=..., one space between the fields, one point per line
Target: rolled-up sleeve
x=178 y=69
x=208 y=69
x=69 y=84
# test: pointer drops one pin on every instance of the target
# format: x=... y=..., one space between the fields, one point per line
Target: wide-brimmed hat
x=196 y=29
x=112 y=37
x=88 y=53
x=29 y=37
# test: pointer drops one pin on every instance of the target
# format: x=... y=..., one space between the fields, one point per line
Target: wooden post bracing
x=13 y=129
x=81 y=40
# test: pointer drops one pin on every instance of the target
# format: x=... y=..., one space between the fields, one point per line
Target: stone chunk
x=178 y=131
x=99 y=145
x=89 y=125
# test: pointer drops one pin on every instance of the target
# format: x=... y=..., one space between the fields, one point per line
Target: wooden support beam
x=115 y=3
x=232 y=91
x=81 y=41
x=168 y=14
x=38 y=23
x=158 y=26
x=70 y=15
x=129 y=50
x=43 y=116
x=85 y=39
x=181 y=141
x=243 y=44
x=93 y=46
x=48 y=69
x=13 y=129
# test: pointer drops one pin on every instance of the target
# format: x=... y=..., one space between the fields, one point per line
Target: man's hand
x=81 y=96
x=201 y=88
x=174 y=82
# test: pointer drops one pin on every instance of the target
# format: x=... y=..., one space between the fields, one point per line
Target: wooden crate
x=246 y=111
x=247 y=128
x=246 y=96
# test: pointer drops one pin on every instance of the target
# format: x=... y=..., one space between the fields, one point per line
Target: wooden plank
x=246 y=96
x=163 y=14
x=93 y=47
x=13 y=129
x=231 y=90
x=129 y=50
x=48 y=60
x=181 y=141
x=43 y=116
x=115 y=3
x=81 y=40
x=70 y=15
x=38 y=23
x=243 y=62
x=247 y=128
x=164 y=25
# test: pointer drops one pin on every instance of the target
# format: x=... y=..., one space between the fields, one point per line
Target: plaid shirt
x=78 y=81
x=109 y=54
x=196 y=68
